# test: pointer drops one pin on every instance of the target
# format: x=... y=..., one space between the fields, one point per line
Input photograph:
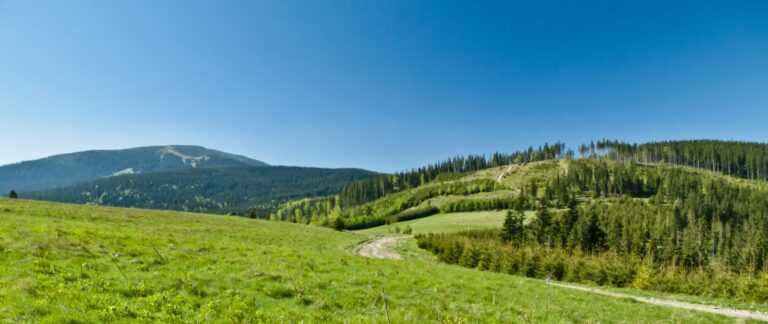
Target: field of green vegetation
x=70 y=263
x=445 y=223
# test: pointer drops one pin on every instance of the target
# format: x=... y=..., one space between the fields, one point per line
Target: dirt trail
x=381 y=248
x=501 y=176
x=730 y=312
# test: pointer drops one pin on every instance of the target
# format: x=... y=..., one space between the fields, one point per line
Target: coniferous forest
x=741 y=159
x=621 y=224
x=247 y=191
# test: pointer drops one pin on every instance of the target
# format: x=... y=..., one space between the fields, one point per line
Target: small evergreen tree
x=468 y=257
x=642 y=278
x=572 y=215
x=543 y=222
x=338 y=224
x=512 y=231
x=13 y=194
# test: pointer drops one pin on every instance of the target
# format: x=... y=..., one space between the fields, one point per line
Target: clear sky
x=383 y=85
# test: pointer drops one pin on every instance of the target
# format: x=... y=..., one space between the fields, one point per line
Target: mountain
x=66 y=169
x=252 y=190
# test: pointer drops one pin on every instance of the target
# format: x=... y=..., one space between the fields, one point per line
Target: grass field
x=69 y=263
x=445 y=223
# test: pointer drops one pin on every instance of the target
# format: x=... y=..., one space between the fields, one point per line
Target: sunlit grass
x=66 y=263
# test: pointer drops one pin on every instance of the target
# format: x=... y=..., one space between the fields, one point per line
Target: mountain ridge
x=70 y=168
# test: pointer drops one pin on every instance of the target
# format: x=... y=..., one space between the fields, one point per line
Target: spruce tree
x=544 y=221
x=513 y=228
x=338 y=224
x=13 y=194
x=572 y=215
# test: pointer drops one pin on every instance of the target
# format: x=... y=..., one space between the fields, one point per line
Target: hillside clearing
x=446 y=223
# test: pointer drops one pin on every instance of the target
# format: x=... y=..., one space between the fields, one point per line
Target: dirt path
x=381 y=248
x=730 y=312
x=501 y=176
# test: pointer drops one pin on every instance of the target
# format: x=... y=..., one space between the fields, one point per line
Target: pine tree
x=13 y=194
x=513 y=228
x=544 y=222
x=468 y=257
x=338 y=224
x=571 y=216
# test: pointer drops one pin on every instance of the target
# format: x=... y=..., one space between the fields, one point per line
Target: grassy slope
x=445 y=223
x=65 y=262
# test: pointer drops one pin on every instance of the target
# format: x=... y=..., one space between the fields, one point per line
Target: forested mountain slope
x=250 y=191
x=66 y=169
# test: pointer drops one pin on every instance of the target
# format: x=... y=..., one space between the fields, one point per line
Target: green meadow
x=72 y=263
x=446 y=223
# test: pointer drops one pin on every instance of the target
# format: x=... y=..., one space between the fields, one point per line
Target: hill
x=75 y=263
x=246 y=190
x=66 y=169
x=384 y=199
x=660 y=217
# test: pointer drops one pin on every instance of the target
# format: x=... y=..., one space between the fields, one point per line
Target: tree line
x=742 y=159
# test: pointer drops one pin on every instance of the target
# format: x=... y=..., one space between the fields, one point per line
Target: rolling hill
x=67 y=169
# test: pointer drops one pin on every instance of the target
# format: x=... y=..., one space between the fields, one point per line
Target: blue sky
x=383 y=85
